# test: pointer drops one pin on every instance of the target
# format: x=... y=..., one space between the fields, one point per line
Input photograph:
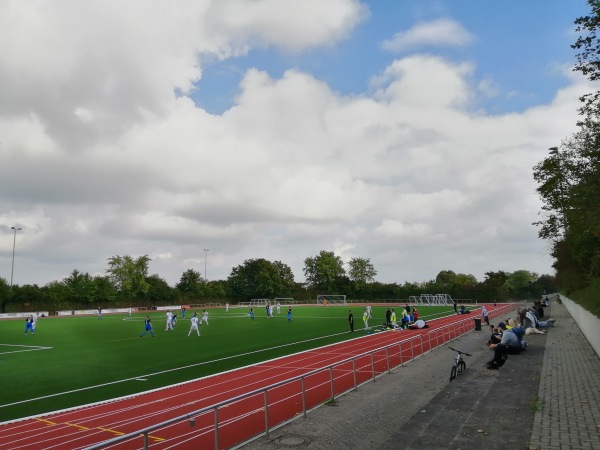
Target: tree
x=159 y=291
x=191 y=284
x=259 y=278
x=128 y=275
x=361 y=272
x=519 y=284
x=325 y=271
x=446 y=278
x=569 y=179
x=5 y=294
x=588 y=58
x=80 y=288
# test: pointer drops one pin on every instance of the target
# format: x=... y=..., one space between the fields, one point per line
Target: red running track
x=345 y=366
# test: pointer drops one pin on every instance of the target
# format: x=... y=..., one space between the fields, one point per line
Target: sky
x=206 y=133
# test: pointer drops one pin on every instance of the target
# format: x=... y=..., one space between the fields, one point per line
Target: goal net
x=331 y=300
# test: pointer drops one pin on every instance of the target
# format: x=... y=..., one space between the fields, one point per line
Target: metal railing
x=364 y=368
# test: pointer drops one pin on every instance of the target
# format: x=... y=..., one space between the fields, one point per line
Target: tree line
x=127 y=283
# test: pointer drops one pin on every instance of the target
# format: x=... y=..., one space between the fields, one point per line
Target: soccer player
x=204 y=317
x=366 y=319
x=169 y=325
x=351 y=320
x=183 y=311
x=368 y=311
x=173 y=321
x=194 y=324
x=29 y=324
x=34 y=320
x=278 y=308
x=289 y=314
x=99 y=313
x=148 y=327
x=226 y=307
x=251 y=313
x=394 y=319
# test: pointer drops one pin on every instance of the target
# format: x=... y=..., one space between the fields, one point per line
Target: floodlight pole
x=206 y=250
x=12 y=270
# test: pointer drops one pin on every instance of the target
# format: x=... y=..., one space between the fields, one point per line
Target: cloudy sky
x=400 y=131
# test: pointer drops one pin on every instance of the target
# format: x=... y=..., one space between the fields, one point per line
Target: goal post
x=331 y=300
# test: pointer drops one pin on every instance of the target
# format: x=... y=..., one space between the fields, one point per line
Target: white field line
x=23 y=348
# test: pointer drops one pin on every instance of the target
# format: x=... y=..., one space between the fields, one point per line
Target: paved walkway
x=547 y=398
x=569 y=393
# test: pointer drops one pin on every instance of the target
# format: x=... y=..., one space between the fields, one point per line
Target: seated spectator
x=496 y=336
x=463 y=310
x=509 y=345
x=419 y=324
x=533 y=322
x=519 y=332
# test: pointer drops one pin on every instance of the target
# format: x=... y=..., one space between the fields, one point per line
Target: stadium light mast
x=12 y=270
x=206 y=250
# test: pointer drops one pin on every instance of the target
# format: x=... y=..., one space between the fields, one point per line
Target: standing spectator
x=366 y=319
x=368 y=311
x=169 y=324
x=388 y=318
x=148 y=327
x=393 y=319
x=99 y=313
x=194 y=324
x=204 y=317
x=289 y=314
x=415 y=313
x=484 y=315
x=454 y=305
x=407 y=307
x=351 y=320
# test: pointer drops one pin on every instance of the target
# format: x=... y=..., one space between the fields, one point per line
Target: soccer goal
x=331 y=300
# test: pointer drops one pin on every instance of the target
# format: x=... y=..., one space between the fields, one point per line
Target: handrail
x=446 y=330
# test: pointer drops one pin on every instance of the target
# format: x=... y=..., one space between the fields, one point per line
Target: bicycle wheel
x=462 y=366
x=453 y=373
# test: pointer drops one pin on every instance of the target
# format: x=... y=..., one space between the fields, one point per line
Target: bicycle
x=459 y=364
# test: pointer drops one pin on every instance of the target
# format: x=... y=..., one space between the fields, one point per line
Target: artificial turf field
x=73 y=361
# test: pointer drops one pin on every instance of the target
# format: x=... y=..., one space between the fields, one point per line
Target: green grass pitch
x=73 y=361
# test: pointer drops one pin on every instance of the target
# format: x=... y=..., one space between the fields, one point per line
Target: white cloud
x=100 y=156
x=437 y=33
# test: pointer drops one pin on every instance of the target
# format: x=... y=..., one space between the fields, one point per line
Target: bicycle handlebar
x=459 y=352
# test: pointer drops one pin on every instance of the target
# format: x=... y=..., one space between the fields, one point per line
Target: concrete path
x=545 y=398
x=569 y=391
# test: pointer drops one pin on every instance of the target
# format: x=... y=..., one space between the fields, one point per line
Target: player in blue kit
x=148 y=325
x=29 y=325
